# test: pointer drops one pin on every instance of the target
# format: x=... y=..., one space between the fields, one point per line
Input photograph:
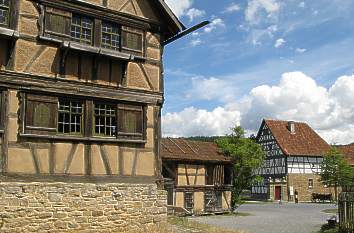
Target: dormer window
x=4 y=12
x=110 y=36
x=81 y=29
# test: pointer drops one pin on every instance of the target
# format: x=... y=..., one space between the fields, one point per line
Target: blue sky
x=242 y=67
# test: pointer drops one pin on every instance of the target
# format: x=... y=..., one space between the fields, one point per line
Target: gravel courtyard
x=274 y=218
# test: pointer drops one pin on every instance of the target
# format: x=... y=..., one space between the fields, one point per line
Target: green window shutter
x=57 y=23
x=132 y=41
x=131 y=121
x=40 y=114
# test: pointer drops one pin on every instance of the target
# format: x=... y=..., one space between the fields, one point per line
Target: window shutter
x=41 y=114
x=130 y=121
x=57 y=23
x=132 y=41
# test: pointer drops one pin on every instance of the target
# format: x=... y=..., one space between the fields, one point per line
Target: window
x=189 y=201
x=57 y=23
x=105 y=120
x=41 y=114
x=132 y=40
x=4 y=12
x=66 y=25
x=50 y=115
x=209 y=201
x=218 y=204
x=70 y=117
x=131 y=120
x=310 y=183
x=110 y=36
x=81 y=29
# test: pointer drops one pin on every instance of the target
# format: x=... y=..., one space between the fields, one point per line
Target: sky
x=273 y=59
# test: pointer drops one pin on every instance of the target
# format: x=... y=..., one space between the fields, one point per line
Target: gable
x=303 y=142
x=156 y=11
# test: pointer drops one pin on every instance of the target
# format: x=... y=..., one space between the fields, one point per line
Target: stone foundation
x=300 y=183
x=81 y=207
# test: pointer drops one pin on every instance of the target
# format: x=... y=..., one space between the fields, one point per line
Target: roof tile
x=305 y=141
x=196 y=151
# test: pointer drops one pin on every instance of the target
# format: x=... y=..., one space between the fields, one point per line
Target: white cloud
x=233 y=7
x=209 y=89
x=300 y=50
x=329 y=111
x=196 y=42
x=194 y=13
x=302 y=4
x=179 y=7
x=256 y=9
x=215 y=24
x=299 y=97
x=192 y=122
x=279 y=43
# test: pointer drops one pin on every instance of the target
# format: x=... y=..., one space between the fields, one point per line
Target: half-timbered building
x=81 y=91
x=346 y=197
x=197 y=176
x=294 y=152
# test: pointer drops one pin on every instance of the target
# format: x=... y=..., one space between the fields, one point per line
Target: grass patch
x=328 y=229
x=237 y=214
x=330 y=211
x=186 y=223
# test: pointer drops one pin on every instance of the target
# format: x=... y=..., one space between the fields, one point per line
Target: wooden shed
x=198 y=177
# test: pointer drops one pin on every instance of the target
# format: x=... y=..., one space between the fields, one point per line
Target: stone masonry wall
x=300 y=183
x=81 y=207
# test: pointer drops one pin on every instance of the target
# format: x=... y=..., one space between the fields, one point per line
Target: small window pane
x=110 y=36
x=4 y=13
x=81 y=29
x=105 y=120
x=70 y=117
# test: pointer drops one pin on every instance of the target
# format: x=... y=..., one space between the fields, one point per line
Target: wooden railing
x=346 y=211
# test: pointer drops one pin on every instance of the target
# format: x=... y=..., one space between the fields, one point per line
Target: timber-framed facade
x=294 y=153
x=81 y=86
x=198 y=177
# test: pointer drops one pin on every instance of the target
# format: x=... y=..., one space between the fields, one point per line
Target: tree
x=247 y=156
x=335 y=171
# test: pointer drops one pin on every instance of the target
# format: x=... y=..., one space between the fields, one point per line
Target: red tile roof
x=348 y=152
x=304 y=141
x=192 y=151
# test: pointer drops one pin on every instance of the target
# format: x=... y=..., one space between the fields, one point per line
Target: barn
x=294 y=152
x=198 y=177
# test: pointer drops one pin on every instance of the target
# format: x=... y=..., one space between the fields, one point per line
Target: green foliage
x=335 y=170
x=204 y=138
x=247 y=156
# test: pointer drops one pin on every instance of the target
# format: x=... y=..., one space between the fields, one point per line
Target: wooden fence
x=346 y=211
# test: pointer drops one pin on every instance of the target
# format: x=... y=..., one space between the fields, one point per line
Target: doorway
x=277 y=194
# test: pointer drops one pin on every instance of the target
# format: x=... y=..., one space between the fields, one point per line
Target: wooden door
x=277 y=194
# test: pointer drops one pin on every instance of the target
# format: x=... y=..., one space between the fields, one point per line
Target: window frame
x=82 y=28
x=87 y=124
x=128 y=30
x=83 y=120
x=8 y=10
x=310 y=183
x=94 y=133
x=111 y=34
x=39 y=98
x=129 y=107
x=189 y=196
x=97 y=32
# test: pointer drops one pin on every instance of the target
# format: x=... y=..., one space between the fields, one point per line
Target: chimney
x=291 y=126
